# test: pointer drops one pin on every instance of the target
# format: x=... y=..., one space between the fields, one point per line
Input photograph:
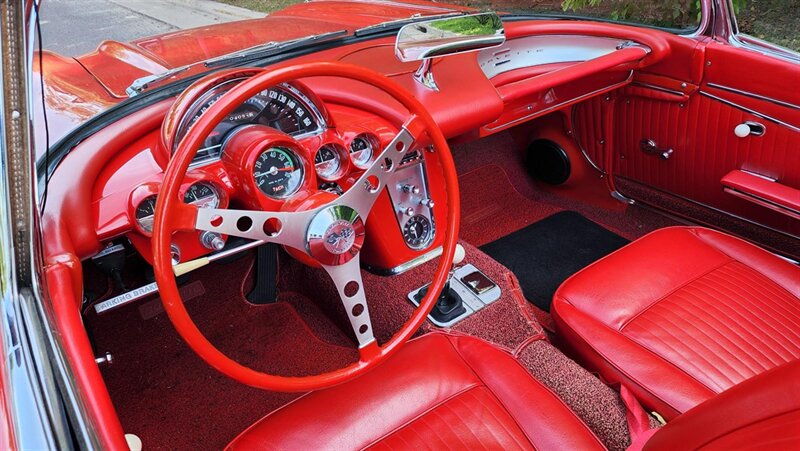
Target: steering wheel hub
x=335 y=235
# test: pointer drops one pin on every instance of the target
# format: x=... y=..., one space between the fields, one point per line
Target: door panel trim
x=749 y=110
x=753 y=95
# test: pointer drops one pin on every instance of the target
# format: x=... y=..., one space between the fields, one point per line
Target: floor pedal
x=265 y=290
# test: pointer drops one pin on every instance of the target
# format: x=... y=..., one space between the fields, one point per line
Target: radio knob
x=410 y=189
x=409 y=211
x=426 y=203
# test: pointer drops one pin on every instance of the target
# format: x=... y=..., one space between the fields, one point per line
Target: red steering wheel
x=306 y=231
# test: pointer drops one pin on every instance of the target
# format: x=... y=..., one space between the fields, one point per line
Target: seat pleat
x=724 y=327
x=472 y=420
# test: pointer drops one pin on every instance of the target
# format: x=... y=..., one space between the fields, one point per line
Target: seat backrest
x=760 y=413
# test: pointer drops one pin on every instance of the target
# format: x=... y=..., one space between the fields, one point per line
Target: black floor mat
x=546 y=253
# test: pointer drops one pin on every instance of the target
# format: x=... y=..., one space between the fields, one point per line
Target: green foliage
x=481 y=25
x=665 y=13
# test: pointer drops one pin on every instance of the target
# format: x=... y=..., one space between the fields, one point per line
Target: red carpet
x=171 y=399
x=491 y=207
x=508 y=322
x=595 y=403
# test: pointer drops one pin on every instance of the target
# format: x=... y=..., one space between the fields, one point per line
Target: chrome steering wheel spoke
x=363 y=194
x=349 y=284
x=287 y=228
x=332 y=234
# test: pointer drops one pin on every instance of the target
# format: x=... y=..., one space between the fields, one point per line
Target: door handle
x=748 y=128
x=650 y=147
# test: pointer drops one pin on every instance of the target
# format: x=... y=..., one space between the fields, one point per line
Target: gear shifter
x=449 y=305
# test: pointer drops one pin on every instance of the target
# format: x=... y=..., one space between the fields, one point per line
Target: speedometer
x=278 y=172
x=283 y=107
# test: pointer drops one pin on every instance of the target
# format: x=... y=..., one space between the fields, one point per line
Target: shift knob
x=459 y=255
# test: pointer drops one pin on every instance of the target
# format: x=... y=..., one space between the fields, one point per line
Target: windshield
x=98 y=53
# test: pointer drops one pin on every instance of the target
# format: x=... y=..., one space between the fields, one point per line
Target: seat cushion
x=438 y=392
x=682 y=314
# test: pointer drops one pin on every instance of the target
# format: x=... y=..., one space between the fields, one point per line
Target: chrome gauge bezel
x=141 y=221
x=342 y=158
x=423 y=242
x=216 y=196
x=194 y=111
x=300 y=164
x=374 y=146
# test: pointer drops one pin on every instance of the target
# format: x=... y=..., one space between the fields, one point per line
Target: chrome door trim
x=701 y=204
x=754 y=95
x=756 y=113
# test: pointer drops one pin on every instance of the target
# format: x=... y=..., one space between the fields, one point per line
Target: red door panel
x=701 y=134
x=695 y=117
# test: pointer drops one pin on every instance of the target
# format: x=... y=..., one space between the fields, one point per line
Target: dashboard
x=313 y=148
x=329 y=142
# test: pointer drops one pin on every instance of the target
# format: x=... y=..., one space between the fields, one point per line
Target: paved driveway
x=76 y=27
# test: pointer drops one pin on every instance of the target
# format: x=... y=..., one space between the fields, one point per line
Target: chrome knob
x=409 y=211
x=212 y=240
x=175 y=253
x=410 y=189
x=426 y=203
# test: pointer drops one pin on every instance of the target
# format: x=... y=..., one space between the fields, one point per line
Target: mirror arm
x=424 y=75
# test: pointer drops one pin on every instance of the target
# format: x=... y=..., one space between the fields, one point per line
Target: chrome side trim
x=622 y=198
x=755 y=96
x=780 y=208
x=700 y=204
x=759 y=46
x=756 y=113
x=399 y=269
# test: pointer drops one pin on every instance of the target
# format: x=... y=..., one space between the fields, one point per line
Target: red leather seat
x=439 y=391
x=681 y=315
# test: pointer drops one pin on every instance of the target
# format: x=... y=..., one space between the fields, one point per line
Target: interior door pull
x=650 y=147
x=748 y=128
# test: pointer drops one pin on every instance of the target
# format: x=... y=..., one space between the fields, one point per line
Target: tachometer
x=144 y=213
x=278 y=172
x=328 y=161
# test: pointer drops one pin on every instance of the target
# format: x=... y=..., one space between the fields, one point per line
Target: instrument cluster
x=277 y=147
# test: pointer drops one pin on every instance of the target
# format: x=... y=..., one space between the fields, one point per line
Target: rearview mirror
x=420 y=41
